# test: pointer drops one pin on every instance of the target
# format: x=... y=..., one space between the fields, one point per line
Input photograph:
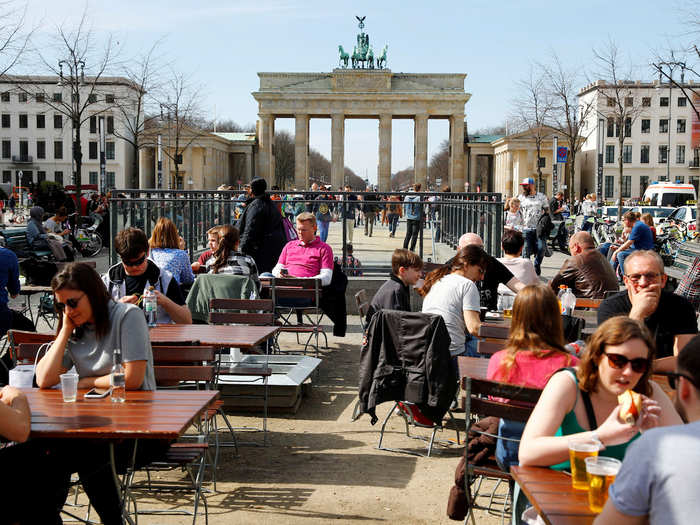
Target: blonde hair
x=648 y=219
x=306 y=217
x=164 y=235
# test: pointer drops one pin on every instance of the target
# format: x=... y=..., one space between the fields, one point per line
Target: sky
x=222 y=45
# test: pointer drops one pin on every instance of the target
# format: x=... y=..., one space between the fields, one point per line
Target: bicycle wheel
x=94 y=246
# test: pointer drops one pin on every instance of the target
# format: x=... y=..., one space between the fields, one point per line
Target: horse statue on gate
x=381 y=60
x=370 y=58
x=344 y=57
x=359 y=56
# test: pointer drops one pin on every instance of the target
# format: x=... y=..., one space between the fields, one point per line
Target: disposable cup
x=69 y=387
x=579 y=450
x=601 y=473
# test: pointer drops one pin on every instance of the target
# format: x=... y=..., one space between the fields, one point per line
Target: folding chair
x=308 y=293
x=477 y=404
x=362 y=306
x=18 y=337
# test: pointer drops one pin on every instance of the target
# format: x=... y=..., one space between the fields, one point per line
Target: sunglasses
x=72 y=302
x=137 y=262
x=673 y=378
x=618 y=361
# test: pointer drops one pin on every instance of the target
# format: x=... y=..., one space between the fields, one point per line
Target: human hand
x=651 y=411
x=131 y=299
x=615 y=432
x=68 y=323
x=196 y=266
x=9 y=393
x=160 y=298
x=644 y=300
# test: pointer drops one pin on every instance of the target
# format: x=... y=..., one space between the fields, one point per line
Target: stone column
x=472 y=171
x=456 y=169
x=301 y=152
x=248 y=168
x=511 y=183
x=266 y=140
x=384 y=172
x=420 y=150
x=146 y=167
x=337 y=150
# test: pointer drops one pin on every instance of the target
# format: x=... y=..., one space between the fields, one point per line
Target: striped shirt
x=237 y=264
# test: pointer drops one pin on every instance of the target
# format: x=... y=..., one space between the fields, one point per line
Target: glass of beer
x=601 y=472
x=579 y=450
x=506 y=305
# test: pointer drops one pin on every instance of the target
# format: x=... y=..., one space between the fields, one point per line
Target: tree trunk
x=621 y=142
x=78 y=157
x=136 y=166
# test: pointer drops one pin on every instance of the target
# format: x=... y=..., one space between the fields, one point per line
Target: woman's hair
x=536 y=326
x=467 y=256
x=614 y=331
x=631 y=216
x=61 y=212
x=648 y=219
x=228 y=240
x=164 y=234
x=83 y=277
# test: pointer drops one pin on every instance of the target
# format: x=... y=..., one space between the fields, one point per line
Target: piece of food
x=630 y=406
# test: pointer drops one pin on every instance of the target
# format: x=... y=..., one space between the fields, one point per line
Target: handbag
x=290 y=232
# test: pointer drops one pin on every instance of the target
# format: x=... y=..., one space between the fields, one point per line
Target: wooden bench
x=583 y=302
x=683 y=262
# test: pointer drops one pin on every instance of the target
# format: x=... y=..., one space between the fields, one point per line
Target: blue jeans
x=604 y=248
x=587 y=226
x=393 y=222
x=323 y=230
x=620 y=260
x=533 y=245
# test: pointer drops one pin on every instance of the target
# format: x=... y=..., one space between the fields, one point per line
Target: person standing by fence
x=412 y=210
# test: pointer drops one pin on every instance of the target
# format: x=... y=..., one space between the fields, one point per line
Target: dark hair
x=631 y=216
x=130 y=243
x=406 y=258
x=228 y=239
x=83 y=277
x=348 y=248
x=615 y=331
x=468 y=256
x=61 y=212
x=417 y=186
x=258 y=186
x=512 y=241
x=689 y=361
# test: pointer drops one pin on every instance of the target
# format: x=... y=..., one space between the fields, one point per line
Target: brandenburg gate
x=366 y=92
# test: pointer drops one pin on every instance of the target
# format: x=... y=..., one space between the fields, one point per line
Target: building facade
x=36 y=133
x=658 y=145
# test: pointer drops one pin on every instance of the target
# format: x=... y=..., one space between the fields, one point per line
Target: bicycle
x=88 y=240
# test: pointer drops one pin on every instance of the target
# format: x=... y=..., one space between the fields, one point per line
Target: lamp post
x=672 y=65
x=599 y=178
x=165 y=112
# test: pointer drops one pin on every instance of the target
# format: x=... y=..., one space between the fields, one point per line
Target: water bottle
x=562 y=289
x=118 y=378
x=576 y=348
x=150 y=306
x=568 y=302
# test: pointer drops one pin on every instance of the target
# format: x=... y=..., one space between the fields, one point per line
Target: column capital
x=421 y=116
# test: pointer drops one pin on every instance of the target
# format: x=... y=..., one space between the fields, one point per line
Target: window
x=629 y=102
x=23 y=120
x=680 y=180
x=40 y=176
x=93 y=124
x=643 y=183
x=23 y=149
x=92 y=154
x=610 y=154
x=93 y=178
x=626 y=186
x=542 y=163
x=40 y=97
x=110 y=125
x=109 y=98
x=109 y=179
x=58 y=121
x=92 y=98
x=40 y=121
x=627 y=154
x=22 y=97
x=109 y=150
x=611 y=102
x=7 y=176
x=58 y=177
x=646 y=125
x=58 y=149
x=663 y=102
x=5 y=96
x=57 y=97
x=609 y=185
x=646 y=102
x=695 y=181
x=663 y=154
x=40 y=149
x=5 y=120
x=680 y=125
x=680 y=154
x=682 y=102
x=628 y=127
x=644 y=154
x=663 y=125
x=612 y=128
x=6 y=149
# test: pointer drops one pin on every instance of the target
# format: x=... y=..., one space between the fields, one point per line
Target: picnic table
x=220 y=336
x=498 y=328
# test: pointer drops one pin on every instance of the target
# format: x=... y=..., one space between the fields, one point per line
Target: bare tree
x=13 y=37
x=532 y=111
x=439 y=165
x=619 y=109
x=567 y=116
x=284 y=159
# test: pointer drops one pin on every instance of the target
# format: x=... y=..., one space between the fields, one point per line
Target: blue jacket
x=412 y=211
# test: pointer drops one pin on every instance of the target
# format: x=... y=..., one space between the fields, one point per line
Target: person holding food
x=583 y=403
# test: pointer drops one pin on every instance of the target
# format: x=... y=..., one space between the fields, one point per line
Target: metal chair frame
x=302 y=289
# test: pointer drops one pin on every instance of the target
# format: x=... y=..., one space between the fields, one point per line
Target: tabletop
x=158 y=414
x=239 y=336
x=499 y=328
x=552 y=495
x=30 y=289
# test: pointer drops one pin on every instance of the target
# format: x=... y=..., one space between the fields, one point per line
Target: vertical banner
x=555 y=166
x=103 y=155
x=159 y=184
x=695 y=136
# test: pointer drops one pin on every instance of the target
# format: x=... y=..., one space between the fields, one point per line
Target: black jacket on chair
x=406 y=357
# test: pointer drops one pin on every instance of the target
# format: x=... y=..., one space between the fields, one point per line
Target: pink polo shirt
x=306 y=260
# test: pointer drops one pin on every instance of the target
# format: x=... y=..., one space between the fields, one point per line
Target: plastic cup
x=601 y=473
x=69 y=387
x=506 y=305
x=579 y=450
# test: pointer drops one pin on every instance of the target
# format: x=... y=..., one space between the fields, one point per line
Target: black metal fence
x=444 y=217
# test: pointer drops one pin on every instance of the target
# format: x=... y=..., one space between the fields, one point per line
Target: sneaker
x=538 y=270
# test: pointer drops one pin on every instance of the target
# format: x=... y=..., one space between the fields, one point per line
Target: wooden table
x=552 y=495
x=500 y=328
x=222 y=336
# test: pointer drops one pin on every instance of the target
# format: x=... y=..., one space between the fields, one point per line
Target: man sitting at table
x=660 y=474
x=670 y=317
x=587 y=273
x=128 y=280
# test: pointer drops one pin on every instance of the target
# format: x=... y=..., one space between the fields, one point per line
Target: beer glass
x=579 y=450
x=601 y=472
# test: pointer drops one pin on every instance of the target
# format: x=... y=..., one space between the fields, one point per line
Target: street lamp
x=599 y=178
x=671 y=65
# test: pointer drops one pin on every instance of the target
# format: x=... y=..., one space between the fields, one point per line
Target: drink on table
x=150 y=306
x=505 y=304
x=601 y=472
x=579 y=450
x=118 y=378
x=69 y=387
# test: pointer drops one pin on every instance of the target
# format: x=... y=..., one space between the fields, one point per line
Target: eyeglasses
x=482 y=271
x=651 y=276
x=618 y=361
x=673 y=377
x=72 y=302
x=137 y=262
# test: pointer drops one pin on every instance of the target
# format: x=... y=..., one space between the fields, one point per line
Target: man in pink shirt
x=306 y=256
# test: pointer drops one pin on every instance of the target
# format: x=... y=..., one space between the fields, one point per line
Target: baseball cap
x=527 y=180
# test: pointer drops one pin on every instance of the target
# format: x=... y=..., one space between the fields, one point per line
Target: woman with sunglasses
x=618 y=358
x=451 y=292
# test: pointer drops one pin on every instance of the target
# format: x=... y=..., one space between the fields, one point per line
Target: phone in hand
x=96 y=393
x=284 y=272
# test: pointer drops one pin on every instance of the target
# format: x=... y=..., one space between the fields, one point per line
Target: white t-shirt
x=521 y=268
x=449 y=297
x=531 y=207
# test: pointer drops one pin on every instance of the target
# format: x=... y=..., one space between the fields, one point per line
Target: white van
x=669 y=194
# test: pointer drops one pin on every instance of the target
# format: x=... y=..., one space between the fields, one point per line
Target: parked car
x=683 y=218
x=609 y=213
x=658 y=213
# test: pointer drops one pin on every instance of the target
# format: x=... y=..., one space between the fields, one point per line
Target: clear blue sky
x=223 y=44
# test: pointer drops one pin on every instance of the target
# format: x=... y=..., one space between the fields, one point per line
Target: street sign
x=562 y=153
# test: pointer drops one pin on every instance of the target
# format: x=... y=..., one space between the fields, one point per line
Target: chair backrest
x=184 y=363
x=478 y=402
x=288 y=288
x=490 y=346
x=257 y=312
x=360 y=297
x=18 y=337
x=26 y=353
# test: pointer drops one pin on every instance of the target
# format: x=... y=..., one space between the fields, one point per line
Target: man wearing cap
x=531 y=205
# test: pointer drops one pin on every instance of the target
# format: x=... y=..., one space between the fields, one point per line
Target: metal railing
x=444 y=217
